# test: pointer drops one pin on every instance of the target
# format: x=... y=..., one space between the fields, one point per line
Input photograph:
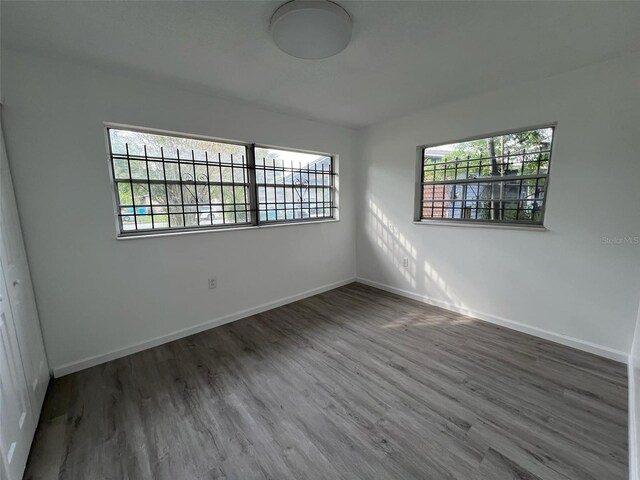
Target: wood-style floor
x=355 y=383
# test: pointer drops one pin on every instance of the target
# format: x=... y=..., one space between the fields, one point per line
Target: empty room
x=316 y=239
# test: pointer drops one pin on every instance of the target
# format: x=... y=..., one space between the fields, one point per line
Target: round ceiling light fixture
x=311 y=29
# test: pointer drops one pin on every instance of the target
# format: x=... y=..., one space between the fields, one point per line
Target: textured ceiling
x=404 y=55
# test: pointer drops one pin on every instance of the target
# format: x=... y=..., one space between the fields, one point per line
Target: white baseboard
x=88 y=362
x=633 y=431
x=92 y=361
x=596 y=349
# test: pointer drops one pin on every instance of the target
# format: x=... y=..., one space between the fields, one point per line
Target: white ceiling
x=404 y=56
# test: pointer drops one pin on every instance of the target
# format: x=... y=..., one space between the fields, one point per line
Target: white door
x=20 y=290
x=16 y=420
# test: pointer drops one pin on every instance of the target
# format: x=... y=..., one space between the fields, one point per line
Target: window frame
x=332 y=188
x=508 y=224
x=250 y=168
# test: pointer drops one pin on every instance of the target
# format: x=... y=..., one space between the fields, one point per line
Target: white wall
x=634 y=404
x=98 y=295
x=563 y=283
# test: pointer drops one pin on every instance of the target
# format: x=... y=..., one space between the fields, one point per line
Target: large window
x=497 y=179
x=166 y=182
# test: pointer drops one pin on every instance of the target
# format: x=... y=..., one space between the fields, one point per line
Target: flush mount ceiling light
x=311 y=29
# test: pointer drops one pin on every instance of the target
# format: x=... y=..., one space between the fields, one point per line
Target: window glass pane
x=176 y=182
x=189 y=194
x=500 y=178
x=173 y=147
x=161 y=221
x=124 y=194
x=120 y=168
x=216 y=194
x=173 y=182
x=201 y=173
x=141 y=195
x=171 y=171
x=158 y=194
x=287 y=183
x=156 y=171
x=144 y=222
x=226 y=174
x=138 y=169
x=186 y=172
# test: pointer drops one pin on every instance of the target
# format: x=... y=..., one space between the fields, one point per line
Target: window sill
x=504 y=226
x=152 y=234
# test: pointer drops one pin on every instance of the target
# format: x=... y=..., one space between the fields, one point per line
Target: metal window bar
x=253 y=188
x=153 y=225
x=301 y=188
x=133 y=195
x=195 y=187
x=481 y=159
x=301 y=191
x=233 y=190
x=224 y=218
x=166 y=188
x=331 y=184
x=322 y=190
x=433 y=168
x=284 y=191
x=275 y=188
x=134 y=217
x=184 y=217
x=209 y=208
x=244 y=190
x=293 y=196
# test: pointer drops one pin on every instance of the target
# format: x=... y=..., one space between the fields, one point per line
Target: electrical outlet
x=405 y=262
x=213 y=283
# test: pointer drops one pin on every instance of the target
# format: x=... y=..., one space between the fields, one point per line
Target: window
x=165 y=182
x=497 y=179
x=293 y=186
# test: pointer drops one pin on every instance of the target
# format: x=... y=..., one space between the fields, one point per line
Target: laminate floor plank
x=354 y=383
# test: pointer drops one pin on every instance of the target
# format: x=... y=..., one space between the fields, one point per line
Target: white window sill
x=152 y=234
x=502 y=226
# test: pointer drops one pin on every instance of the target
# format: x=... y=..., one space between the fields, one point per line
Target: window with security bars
x=497 y=179
x=167 y=182
x=293 y=185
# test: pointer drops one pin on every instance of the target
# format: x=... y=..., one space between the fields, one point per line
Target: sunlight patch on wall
x=392 y=243
x=433 y=278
